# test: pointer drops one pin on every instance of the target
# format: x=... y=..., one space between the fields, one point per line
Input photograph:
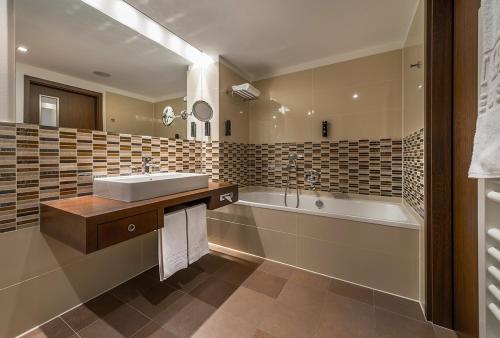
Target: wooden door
x=77 y=108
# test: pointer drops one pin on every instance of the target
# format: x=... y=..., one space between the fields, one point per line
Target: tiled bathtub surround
x=379 y=256
x=369 y=167
x=413 y=171
x=41 y=164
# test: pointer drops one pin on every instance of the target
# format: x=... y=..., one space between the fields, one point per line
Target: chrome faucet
x=147 y=164
x=292 y=164
x=292 y=160
x=313 y=178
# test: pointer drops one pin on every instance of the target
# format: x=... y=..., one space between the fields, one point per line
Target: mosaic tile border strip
x=413 y=171
x=40 y=164
x=369 y=167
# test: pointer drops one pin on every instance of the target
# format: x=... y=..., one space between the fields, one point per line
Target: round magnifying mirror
x=202 y=111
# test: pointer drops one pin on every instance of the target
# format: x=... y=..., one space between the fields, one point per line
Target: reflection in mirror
x=78 y=68
x=202 y=111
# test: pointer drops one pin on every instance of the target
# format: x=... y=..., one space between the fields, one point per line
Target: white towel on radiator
x=172 y=244
x=486 y=155
x=197 y=232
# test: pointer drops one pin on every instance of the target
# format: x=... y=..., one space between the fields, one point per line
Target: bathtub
x=364 y=240
x=387 y=212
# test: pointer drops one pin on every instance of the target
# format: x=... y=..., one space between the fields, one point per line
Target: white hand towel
x=486 y=155
x=197 y=232
x=172 y=244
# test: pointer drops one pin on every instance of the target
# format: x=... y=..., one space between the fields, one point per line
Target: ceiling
x=72 y=38
x=268 y=37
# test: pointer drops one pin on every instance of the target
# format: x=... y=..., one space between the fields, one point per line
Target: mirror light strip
x=142 y=24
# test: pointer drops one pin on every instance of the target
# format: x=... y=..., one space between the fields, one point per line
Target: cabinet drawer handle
x=131 y=227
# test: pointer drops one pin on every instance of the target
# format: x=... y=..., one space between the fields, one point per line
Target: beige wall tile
x=232 y=108
x=51 y=278
x=398 y=275
x=261 y=242
x=326 y=93
x=281 y=221
x=413 y=82
x=373 y=237
x=28 y=253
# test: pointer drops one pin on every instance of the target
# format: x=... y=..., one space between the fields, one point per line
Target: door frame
x=29 y=80
x=438 y=161
x=451 y=197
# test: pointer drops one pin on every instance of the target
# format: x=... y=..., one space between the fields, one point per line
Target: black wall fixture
x=193 y=129
x=227 y=128
x=207 y=128
x=324 y=128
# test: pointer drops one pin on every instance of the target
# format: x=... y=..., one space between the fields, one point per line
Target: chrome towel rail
x=494 y=233
x=495 y=311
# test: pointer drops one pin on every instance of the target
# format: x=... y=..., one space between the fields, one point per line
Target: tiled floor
x=223 y=296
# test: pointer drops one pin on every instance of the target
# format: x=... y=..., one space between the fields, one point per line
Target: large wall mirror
x=78 y=68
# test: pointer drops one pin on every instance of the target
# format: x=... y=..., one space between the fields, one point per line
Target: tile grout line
x=65 y=322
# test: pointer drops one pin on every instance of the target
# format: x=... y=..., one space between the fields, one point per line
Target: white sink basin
x=140 y=187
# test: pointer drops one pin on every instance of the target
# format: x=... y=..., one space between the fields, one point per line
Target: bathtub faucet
x=312 y=177
x=292 y=165
x=292 y=160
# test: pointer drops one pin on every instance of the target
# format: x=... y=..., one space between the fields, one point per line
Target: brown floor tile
x=250 y=261
x=286 y=321
x=115 y=314
x=310 y=279
x=79 y=317
x=134 y=287
x=156 y=300
x=154 y=272
x=100 y=329
x=209 y=263
x=302 y=297
x=103 y=305
x=223 y=324
x=187 y=279
x=153 y=330
x=265 y=283
x=56 y=328
x=390 y=325
x=441 y=332
x=399 y=305
x=185 y=316
x=353 y=291
x=234 y=272
x=214 y=291
x=277 y=269
x=261 y=334
x=248 y=305
x=346 y=318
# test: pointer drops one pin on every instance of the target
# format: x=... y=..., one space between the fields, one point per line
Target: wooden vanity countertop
x=75 y=221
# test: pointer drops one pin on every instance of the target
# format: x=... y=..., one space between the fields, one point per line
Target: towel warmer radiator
x=489 y=258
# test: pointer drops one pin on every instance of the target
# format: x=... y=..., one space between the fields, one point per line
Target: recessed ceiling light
x=101 y=74
x=22 y=49
x=355 y=96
